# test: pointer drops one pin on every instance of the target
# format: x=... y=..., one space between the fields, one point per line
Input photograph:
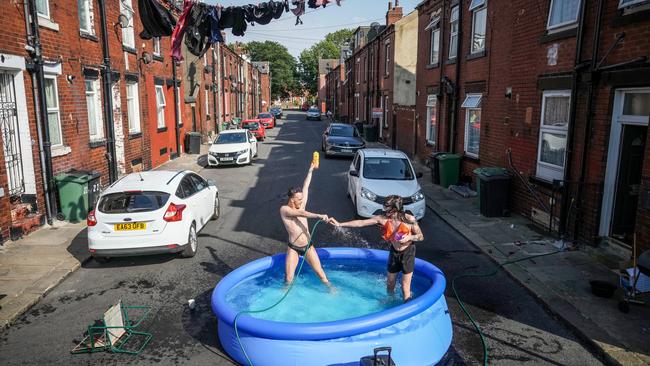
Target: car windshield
x=252 y=125
x=342 y=131
x=264 y=115
x=125 y=202
x=313 y=110
x=275 y=109
x=387 y=168
x=230 y=138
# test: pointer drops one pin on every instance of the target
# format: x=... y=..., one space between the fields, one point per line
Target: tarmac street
x=518 y=329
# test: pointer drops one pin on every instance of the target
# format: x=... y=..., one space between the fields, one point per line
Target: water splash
x=350 y=237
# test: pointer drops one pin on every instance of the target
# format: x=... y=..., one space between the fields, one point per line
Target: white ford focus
x=150 y=213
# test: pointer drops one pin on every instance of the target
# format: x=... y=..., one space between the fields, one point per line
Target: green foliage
x=283 y=66
x=330 y=47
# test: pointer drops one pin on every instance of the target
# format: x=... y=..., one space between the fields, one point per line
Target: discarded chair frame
x=115 y=333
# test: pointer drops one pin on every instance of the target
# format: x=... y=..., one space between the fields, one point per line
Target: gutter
x=176 y=113
x=454 y=105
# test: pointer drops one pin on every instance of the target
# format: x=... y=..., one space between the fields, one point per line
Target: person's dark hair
x=394 y=203
x=293 y=191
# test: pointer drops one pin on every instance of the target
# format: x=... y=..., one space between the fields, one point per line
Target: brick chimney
x=394 y=13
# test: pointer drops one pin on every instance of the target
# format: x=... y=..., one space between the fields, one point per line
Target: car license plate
x=346 y=150
x=131 y=226
x=227 y=159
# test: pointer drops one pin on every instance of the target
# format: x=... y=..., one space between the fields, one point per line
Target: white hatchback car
x=377 y=173
x=150 y=213
x=233 y=147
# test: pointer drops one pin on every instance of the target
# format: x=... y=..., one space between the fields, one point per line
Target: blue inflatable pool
x=419 y=331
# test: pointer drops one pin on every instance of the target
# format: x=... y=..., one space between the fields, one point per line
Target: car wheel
x=102 y=259
x=192 y=243
x=217 y=209
x=322 y=147
x=250 y=157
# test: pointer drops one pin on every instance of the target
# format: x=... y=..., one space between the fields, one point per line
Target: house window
x=453 y=32
x=178 y=105
x=53 y=113
x=156 y=46
x=365 y=70
x=160 y=105
x=562 y=13
x=553 y=134
x=93 y=104
x=357 y=71
x=432 y=119
x=86 y=16
x=387 y=66
x=385 y=119
x=625 y=3
x=434 y=50
x=472 y=105
x=43 y=8
x=128 y=37
x=133 y=107
x=479 y=18
x=356 y=106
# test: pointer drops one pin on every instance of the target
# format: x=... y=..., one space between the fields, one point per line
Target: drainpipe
x=564 y=214
x=223 y=84
x=108 y=97
x=590 y=105
x=215 y=106
x=442 y=70
x=176 y=114
x=454 y=105
x=40 y=108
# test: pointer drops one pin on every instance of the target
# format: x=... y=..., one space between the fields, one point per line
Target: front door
x=628 y=181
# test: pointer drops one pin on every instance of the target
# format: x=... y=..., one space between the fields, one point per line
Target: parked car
x=377 y=173
x=277 y=112
x=341 y=139
x=267 y=120
x=233 y=147
x=255 y=127
x=152 y=212
x=313 y=113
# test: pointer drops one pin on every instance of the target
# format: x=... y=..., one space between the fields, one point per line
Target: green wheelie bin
x=449 y=168
x=78 y=193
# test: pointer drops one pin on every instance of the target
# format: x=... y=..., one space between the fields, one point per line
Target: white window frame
x=568 y=23
x=56 y=109
x=476 y=4
x=128 y=33
x=435 y=41
x=95 y=99
x=178 y=105
x=47 y=8
x=160 y=106
x=469 y=107
x=356 y=106
x=157 y=47
x=453 y=21
x=622 y=5
x=432 y=107
x=387 y=63
x=88 y=16
x=357 y=77
x=385 y=107
x=475 y=11
x=133 y=107
x=548 y=171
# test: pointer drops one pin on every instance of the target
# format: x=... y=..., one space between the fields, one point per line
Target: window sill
x=540 y=182
x=473 y=159
x=386 y=76
x=158 y=58
x=451 y=61
x=134 y=135
x=129 y=49
x=554 y=35
x=88 y=36
x=473 y=56
x=97 y=143
x=631 y=15
x=162 y=129
x=430 y=143
x=432 y=66
x=180 y=125
x=60 y=150
x=47 y=23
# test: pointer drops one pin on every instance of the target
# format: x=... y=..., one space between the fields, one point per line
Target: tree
x=283 y=66
x=330 y=47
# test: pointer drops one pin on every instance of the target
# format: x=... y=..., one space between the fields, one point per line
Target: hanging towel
x=179 y=31
x=263 y=13
x=198 y=32
x=234 y=17
x=156 y=20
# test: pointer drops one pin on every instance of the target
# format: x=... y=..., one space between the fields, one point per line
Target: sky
x=316 y=23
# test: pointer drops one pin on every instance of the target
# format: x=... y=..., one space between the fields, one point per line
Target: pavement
x=560 y=281
x=33 y=265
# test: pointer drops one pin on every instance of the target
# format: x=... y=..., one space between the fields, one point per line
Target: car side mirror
x=212 y=183
x=252 y=140
x=354 y=173
x=419 y=175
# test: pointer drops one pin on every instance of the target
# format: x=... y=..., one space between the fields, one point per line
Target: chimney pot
x=390 y=5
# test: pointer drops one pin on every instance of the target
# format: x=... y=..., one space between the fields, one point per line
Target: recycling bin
x=78 y=191
x=493 y=189
x=448 y=169
x=370 y=133
x=434 y=164
x=193 y=143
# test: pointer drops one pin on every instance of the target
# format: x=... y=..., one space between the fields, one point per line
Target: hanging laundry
x=179 y=30
x=263 y=13
x=157 y=20
x=235 y=17
x=298 y=10
x=198 y=31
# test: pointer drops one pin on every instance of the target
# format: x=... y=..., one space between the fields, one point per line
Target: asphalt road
x=518 y=329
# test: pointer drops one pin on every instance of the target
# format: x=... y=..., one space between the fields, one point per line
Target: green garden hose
x=487 y=274
x=311 y=237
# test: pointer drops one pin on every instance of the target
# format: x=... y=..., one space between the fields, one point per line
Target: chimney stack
x=394 y=13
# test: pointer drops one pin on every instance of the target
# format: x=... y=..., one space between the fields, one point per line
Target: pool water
x=360 y=289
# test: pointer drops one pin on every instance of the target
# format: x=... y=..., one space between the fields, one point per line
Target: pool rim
x=324 y=330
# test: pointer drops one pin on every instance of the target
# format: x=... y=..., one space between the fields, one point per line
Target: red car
x=255 y=127
x=267 y=119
